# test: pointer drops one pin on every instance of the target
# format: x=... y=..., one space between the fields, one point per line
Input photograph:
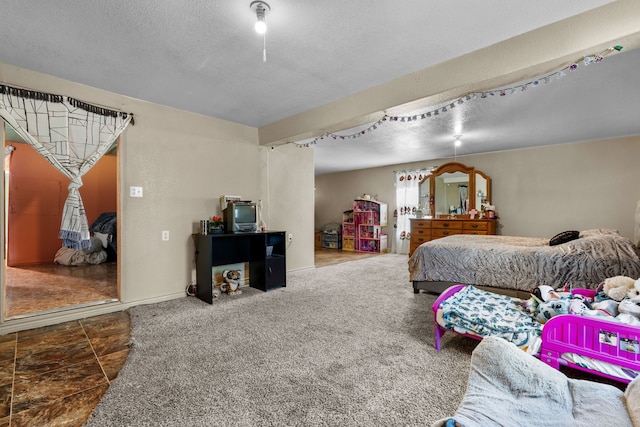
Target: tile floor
x=41 y=288
x=55 y=376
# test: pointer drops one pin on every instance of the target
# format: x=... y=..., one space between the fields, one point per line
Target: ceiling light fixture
x=457 y=143
x=260 y=7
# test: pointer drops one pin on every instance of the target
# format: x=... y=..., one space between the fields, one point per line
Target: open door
x=34 y=194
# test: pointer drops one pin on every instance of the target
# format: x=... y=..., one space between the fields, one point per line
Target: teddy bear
x=231 y=283
x=620 y=287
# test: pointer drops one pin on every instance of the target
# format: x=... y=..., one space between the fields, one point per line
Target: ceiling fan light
x=260 y=27
x=260 y=7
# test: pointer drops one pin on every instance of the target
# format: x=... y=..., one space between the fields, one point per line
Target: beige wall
x=290 y=200
x=537 y=191
x=184 y=162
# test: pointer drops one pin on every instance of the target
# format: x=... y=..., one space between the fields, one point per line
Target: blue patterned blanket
x=482 y=313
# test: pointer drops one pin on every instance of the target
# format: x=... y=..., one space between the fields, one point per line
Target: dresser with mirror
x=452 y=197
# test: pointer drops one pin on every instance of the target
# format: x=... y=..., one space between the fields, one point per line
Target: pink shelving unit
x=369 y=216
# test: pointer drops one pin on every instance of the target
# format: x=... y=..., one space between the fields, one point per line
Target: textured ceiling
x=594 y=102
x=203 y=56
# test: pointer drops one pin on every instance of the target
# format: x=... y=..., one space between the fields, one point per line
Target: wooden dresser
x=424 y=230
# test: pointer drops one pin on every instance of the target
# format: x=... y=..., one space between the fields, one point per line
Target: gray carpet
x=342 y=345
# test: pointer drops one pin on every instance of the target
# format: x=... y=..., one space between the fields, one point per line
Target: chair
x=508 y=387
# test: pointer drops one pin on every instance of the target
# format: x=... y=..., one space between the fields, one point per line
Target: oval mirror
x=450 y=187
x=453 y=188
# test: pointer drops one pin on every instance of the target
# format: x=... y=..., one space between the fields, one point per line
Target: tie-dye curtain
x=407 y=185
x=72 y=136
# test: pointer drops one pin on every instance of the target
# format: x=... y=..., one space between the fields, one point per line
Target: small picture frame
x=629 y=345
x=609 y=338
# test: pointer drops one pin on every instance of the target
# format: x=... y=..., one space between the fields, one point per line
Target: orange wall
x=37 y=192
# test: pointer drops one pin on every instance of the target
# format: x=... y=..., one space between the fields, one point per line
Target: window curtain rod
x=49 y=97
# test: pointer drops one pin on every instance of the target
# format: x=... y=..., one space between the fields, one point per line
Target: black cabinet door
x=275 y=272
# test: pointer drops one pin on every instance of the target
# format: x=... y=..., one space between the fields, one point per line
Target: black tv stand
x=265 y=271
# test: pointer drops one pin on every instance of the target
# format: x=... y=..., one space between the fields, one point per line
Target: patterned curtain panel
x=407 y=199
x=72 y=136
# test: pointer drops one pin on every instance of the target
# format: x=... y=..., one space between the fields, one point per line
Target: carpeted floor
x=342 y=345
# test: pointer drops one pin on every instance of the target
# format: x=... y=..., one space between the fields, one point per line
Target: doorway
x=34 y=193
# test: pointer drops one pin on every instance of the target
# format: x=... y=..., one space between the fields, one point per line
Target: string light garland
x=587 y=60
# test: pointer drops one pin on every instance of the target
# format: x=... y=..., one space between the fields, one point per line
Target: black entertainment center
x=264 y=251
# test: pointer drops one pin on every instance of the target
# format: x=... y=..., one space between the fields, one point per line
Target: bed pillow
x=564 y=237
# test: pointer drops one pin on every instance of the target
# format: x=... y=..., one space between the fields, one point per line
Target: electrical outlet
x=135 y=191
x=290 y=237
x=165 y=235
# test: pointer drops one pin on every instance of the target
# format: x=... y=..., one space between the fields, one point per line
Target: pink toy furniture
x=592 y=338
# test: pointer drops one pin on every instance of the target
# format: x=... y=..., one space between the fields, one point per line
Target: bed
x=520 y=264
x=103 y=246
x=598 y=345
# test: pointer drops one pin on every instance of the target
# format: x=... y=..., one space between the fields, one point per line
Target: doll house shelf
x=369 y=216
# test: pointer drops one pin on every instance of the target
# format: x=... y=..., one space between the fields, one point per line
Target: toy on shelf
x=231 y=284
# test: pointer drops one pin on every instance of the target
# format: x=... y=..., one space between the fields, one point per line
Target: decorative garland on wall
x=590 y=59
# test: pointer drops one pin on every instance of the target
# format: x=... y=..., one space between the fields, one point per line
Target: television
x=241 y=217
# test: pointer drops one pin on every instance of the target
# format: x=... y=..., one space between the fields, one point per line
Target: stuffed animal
x=634 y=293
x=231 y=283
x=620 y=287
